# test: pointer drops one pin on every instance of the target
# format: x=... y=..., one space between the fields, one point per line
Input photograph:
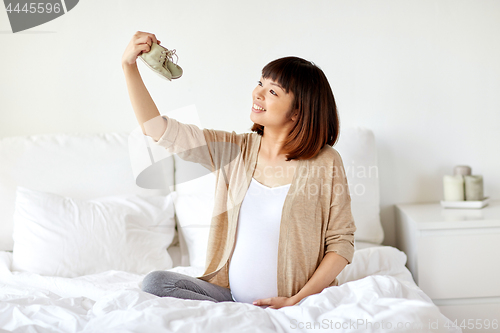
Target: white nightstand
x=454 y=256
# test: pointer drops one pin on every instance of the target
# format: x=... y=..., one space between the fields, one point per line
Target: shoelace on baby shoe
x=168 y=54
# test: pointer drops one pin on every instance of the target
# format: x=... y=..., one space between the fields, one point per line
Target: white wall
x=424 y=75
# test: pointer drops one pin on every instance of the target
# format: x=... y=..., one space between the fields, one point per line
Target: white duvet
x=376 y=294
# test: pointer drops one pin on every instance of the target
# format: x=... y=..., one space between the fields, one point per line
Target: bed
x=78 y=235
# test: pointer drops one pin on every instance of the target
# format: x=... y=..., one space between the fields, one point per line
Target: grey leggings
x=172 y=284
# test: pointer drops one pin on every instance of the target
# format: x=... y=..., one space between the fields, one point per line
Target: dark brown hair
x=317 y=122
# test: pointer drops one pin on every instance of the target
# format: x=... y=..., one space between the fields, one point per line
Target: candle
x=453 y=188
x=474 y=188
x=462 y=170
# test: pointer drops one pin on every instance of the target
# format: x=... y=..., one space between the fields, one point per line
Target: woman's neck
x=271 y=145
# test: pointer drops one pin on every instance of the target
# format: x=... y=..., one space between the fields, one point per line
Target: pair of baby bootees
x=160 y=60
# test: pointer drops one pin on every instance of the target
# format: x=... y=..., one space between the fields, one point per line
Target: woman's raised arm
x=146 y=112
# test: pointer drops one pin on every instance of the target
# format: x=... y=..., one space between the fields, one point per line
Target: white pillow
x=194 y=216
x=376 y=260
x=358 y=151
x=61 y=236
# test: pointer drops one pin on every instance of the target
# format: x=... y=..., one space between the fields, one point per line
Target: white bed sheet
x=377 y=294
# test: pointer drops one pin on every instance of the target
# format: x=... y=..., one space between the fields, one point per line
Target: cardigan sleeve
x=212 y=149
x=339 y=236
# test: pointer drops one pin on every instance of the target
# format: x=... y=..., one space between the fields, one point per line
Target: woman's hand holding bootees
x=140 y=43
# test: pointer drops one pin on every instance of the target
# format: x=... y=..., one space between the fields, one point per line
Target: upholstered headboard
x=81 y=166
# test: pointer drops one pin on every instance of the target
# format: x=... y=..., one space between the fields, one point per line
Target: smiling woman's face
x=271 y=105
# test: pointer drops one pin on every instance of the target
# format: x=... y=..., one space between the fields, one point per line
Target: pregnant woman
x=282 y=227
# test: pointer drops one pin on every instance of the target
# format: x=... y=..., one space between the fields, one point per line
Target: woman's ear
x=295 y=115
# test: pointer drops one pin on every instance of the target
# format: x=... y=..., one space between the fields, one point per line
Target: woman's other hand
x=140 y=43
x=275 y=302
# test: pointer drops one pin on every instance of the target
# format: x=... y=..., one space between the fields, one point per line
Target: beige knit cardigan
x=316 y=216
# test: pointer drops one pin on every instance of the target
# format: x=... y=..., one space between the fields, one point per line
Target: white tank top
x=254 y=264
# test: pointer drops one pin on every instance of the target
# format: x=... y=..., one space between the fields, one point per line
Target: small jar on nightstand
x=454 y=257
